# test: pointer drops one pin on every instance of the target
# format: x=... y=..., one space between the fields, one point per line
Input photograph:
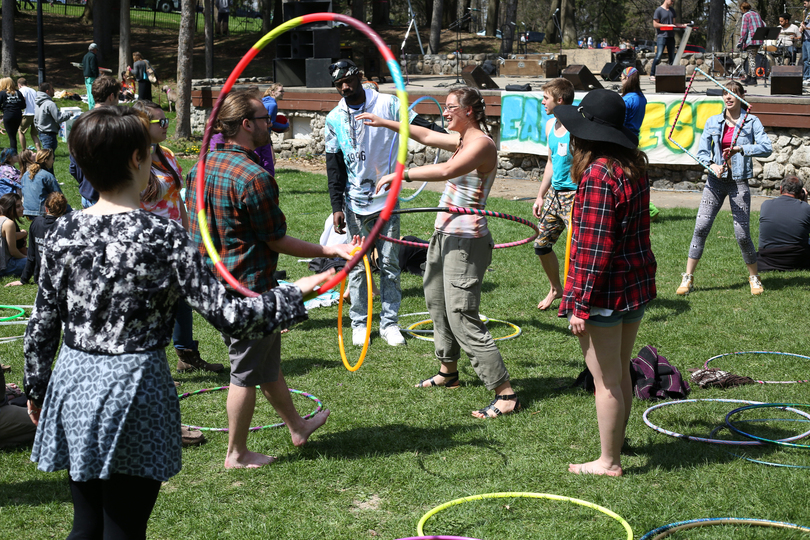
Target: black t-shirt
x=12 y=103
x=784 y=221
x=664 y=16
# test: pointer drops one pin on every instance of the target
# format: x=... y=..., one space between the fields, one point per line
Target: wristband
x=405 y=176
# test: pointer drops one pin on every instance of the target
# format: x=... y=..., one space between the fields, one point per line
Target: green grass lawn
x=390 y=452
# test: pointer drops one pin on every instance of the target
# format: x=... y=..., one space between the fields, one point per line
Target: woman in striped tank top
x=460 y=249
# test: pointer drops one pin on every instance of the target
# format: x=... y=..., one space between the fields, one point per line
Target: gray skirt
x=106 y=414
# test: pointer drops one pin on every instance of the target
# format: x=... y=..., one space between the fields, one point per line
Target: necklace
x=355 y=126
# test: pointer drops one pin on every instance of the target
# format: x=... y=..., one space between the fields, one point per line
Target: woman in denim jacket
x=715 y=151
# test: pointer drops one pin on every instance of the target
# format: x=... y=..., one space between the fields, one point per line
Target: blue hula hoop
x=391 y=151
x=666 y=530
x=759 y=461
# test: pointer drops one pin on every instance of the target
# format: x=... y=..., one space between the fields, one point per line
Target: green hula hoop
x=412 y=329
x=510 y=494
x=15 y=316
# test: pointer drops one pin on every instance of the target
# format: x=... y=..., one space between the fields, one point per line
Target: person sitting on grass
x=56 y=206
x=111 y=277
x=38 y=183
x=553 y=204
x=784 y=229
x=612 y=267
x=12 y=255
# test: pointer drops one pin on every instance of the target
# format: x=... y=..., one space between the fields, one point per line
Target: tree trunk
x=379 y=12
x=267 y=15
x=124 y=48
x=552 y=33
x=493 y=7
x=8 y=65
x=509 y=27
x=449 y=13
x=714 y=34
x=569 y=24
x=358 y=10
x=208 y=15
x=436 y=27
x=87 y=14
x=185 y=55
x=102 y=29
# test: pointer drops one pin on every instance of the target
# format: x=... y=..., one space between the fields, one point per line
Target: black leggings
x=12 y=125
x=145 y=90
x=113 y=509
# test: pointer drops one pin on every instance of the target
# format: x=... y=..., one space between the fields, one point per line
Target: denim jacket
x=753 y=140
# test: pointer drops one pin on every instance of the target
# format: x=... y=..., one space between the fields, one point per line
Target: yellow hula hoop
x=568 y=235
x=507 y=495
x=368 y=320
x=415 y=333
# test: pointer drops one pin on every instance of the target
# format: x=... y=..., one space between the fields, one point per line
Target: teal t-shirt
x=561 y=161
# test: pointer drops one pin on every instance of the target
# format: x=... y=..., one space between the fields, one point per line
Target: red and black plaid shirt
x=612 y=264
x=241 y=206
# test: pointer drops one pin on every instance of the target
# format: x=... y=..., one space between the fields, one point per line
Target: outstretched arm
x=428 y=137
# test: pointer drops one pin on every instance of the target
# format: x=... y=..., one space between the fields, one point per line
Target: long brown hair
x=39 y=160
x=632 y=161
x=151 y=193
x=471 y=97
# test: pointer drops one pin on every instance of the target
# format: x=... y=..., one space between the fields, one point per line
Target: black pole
x=40 y=46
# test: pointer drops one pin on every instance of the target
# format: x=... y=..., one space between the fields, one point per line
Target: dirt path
x=516 y=189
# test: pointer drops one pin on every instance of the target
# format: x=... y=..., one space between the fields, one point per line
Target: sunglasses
x=340 y=64
x=163 y=122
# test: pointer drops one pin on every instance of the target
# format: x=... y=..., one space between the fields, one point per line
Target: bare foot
x=546 y=302
x=506 y=406
x=299 y=437
x=594 y=467
x=248 y=460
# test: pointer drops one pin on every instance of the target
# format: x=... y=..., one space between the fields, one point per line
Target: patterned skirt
x=107 y=414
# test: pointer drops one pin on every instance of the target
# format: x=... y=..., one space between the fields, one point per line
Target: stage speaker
x=670 y=79
x=317 y=72
x=580 y=77
x=551 y=69
x=476 y=77
x=786 y=80
x=612 y=71
x=290 y=71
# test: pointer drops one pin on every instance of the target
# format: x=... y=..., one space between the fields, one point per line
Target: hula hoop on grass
x=368 y=314
x=317 y=401
x=390 y=152
x=9 y=339
x=391 y=200
x=717 y=441
x=414 y=333
x=466 y=211
x=666 y=530
x=508 y=495
x=438 y=538
x=759 y=461
x=778 y=442
x=15 y=316
x=706 y=365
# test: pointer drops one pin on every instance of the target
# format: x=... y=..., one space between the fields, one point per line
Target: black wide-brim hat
x=598 y=117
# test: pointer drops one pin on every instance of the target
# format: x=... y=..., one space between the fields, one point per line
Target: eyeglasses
x=266 y=118
x=162 y=122
x=451 y=108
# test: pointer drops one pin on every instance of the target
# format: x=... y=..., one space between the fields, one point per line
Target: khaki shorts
x=28 y=123
x=556 y=213
x=254 y=361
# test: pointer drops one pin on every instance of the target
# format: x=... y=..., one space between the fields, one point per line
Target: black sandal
x=491 y=407
x=450 y=380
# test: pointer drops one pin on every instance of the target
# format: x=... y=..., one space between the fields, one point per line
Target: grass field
x=390 y=452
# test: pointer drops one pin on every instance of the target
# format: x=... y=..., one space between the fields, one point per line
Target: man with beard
x=356 y=157
x=249 y=230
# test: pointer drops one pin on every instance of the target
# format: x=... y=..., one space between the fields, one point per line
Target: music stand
x=764 y=33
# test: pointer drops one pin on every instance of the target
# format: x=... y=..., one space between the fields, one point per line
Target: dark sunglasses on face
x=163 y=122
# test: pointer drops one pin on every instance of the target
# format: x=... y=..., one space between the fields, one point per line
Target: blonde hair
x=39 y=160
x=272 y=90
x=7 y=84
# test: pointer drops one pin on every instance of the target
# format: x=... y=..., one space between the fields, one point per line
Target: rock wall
x=445 y=64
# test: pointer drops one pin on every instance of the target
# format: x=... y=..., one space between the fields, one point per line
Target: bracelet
x=405 y=176
x=32 y=411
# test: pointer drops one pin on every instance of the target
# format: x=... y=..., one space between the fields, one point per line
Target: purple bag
x=655 y=378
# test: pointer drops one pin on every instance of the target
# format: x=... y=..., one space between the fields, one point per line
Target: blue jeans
x=389 y=272
x=660 y=43
x=14 y=267
x=806 y=60
x=183 y=336
x=49 y=141
x=87 y=203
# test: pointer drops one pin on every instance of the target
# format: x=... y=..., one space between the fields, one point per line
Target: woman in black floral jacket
x=113 y=276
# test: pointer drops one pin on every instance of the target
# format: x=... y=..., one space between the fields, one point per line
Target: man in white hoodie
x=47 y=117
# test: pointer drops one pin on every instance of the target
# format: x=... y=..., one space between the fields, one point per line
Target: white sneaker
x=756 y=285
x=393 y=336
x=687 y=284
x=359 y=336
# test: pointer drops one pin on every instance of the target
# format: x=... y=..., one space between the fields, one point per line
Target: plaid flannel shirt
x=241 y=206
x=750 y=22
x=612 y=264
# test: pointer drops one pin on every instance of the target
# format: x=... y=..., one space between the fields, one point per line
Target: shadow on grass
x=35 y=492
x=390 y=440
x=670 y=218
x=663 y=309
x=782 y=280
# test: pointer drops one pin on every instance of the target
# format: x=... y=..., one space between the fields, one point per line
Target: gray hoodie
x=47 y=116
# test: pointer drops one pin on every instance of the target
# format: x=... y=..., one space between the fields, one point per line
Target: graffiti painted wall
x=523 y=117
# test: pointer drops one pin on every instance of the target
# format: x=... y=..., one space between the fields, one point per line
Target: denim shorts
x=618 y=317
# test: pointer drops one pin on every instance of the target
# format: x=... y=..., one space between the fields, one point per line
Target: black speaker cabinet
x=612 y=71
x=551 y=69
x=291 y=72
x=581 y=77
x=476 y=77
x=670 y=79
x=290 y=9
x=317 y=71
x=786 y=80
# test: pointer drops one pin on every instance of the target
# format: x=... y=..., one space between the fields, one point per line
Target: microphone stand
x=556 y=20
x=457 y=25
